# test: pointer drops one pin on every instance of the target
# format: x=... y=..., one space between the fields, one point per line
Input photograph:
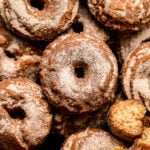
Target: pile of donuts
x=75 y=74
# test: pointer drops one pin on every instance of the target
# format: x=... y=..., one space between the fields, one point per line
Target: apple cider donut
x=122 y=15
x=78 y=73
x=38 y=19
x=135 y=75
x=92 y=139
x=17 y=57
x=25 y=118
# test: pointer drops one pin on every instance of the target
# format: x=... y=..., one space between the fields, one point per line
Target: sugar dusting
x=37 y=122
x=136 y=74
x=100 y=74
x=43 y=21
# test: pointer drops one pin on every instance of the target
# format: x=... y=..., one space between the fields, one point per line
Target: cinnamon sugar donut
x=135 y=75
x=122 y=15
x=78 y=73
x=92 y=139
x=25 y=118
x=38 y=19
x=18 y=58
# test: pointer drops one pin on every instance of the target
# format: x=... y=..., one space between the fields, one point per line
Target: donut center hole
x=146 y=40
x=9 y=54
x=39 y=4
x=80 y=70
x=17 y=113
x=77 y=27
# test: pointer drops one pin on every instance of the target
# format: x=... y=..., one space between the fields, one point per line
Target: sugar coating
x=136 y=74
x=92 y=139
x=130 y=42
x=35 y=126
x=34 y=23
x=58 y=72
x=121 y=15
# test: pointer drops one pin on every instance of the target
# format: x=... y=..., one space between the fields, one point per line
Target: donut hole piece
x=39 y=4
x=16 y=113
x=80 y=69
x=77 y=27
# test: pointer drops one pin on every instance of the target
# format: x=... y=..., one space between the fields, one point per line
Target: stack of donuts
x=75 y=74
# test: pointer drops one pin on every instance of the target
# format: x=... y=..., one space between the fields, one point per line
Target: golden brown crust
x=122 y=15
x=125 y=119
x=38 y=20
x=25 y=118
x=93 y=139
x=135 y=75
x=76 y=72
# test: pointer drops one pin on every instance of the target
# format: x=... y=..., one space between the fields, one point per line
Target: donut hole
x=9 y=54
x=39 y=4
x=77 y=27
x=146 y=40
x=80 y=69
x=17 y=113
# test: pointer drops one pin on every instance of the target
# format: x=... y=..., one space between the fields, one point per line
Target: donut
x=78 y=73
x=121 y=15
x=65 y=124
x=86 y=23
x=38 y=19
x=125 y=119
x=135 y=75
x=18 y=58
x=25 y=117
x=129 y=42
x=93 y=139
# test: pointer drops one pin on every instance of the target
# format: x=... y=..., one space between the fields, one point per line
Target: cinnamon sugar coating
x=25 y=118
x=93 y=139
x=122 y=15
x=17 y=57
x=78 y=73
x=135 y=75
x=38 y=20
x=129 y=42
